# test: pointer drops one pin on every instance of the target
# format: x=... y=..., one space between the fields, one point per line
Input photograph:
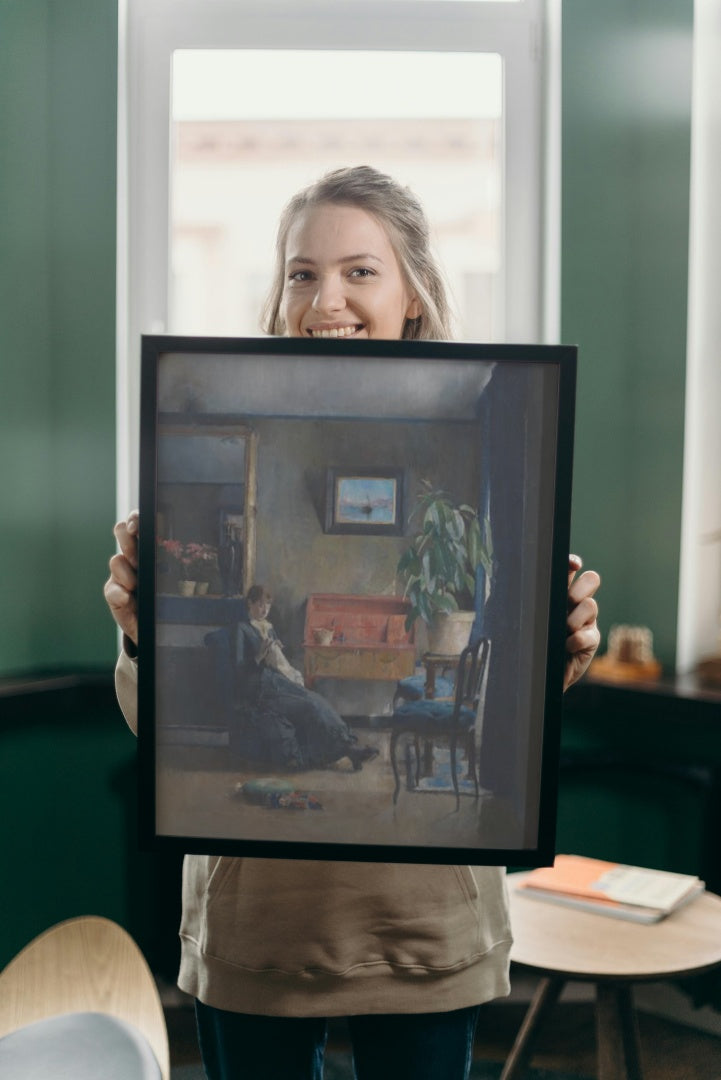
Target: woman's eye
x=300 y=276
x=362 y=272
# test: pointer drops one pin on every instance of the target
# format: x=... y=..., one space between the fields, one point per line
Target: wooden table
x=563 y=944
x=433 y=662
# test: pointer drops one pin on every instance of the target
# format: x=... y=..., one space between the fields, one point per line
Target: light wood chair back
x=87 y=964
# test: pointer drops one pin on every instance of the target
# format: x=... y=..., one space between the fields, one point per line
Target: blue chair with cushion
x=80 y=1002
x=452 y=718
x=413 y=688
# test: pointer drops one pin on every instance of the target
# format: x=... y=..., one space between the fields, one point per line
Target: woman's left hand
x=582 y=634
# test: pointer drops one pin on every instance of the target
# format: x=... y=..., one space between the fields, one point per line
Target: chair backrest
x=87 y=964
x=470 y=672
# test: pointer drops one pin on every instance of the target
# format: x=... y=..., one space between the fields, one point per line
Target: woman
x=300 y=728
x=271 y=949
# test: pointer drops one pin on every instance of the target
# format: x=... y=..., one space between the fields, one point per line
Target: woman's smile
x=334 y=331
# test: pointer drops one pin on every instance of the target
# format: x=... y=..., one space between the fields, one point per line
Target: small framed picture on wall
x=366 y=501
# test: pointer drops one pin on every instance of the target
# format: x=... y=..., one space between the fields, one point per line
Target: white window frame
x=526 y=34
x=699 y=596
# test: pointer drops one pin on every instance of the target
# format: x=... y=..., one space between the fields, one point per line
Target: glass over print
x=352 y=502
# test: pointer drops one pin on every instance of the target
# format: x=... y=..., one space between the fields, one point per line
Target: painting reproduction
x=352 y=609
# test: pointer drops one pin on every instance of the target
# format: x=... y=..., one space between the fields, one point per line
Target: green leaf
x=425 y=609
x=434 y=517
x=405 y=563
x=456 y=525
x=448 y=560
x=436 y=561
x=446 y=602
x=428 y=577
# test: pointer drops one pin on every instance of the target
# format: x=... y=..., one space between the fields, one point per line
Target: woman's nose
x=329 y=296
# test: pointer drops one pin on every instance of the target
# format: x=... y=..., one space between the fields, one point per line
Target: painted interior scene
x=339 y=599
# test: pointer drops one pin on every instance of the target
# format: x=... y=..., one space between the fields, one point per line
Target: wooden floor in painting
x=200 y=794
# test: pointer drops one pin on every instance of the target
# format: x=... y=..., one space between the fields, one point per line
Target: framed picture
x=382 y=678
x=365 y=501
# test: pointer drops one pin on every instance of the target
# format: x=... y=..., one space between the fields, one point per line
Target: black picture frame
x=364 y=501
x=494 y=422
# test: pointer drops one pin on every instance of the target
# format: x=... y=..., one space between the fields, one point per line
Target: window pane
x=432 y=120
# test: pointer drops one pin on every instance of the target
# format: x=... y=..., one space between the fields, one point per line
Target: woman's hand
x=121 y=587
x=583 y=636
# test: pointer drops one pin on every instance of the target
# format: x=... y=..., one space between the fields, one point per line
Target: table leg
x=617 y=1033
x=545 y=997
x=427 y=757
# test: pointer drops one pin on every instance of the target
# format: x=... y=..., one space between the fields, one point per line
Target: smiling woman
x=353 y=259
x=304 y=931
x=342 y=294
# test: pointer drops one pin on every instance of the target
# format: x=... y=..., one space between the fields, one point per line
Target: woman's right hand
x=121 y=587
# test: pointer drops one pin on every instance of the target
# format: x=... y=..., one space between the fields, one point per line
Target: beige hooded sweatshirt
x=283 y=937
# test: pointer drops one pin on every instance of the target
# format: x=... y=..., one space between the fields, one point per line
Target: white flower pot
x=449 y=634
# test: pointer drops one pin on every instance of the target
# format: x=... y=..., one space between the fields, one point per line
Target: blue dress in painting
x=279 y=721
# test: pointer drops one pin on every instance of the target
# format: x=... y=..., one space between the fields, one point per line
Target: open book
x=608 y=888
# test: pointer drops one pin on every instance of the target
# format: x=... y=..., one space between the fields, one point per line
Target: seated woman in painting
x=299 y=727
x=259 y=602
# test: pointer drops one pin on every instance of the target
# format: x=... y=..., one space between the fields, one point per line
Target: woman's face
x=259 y=609
x=342 y=277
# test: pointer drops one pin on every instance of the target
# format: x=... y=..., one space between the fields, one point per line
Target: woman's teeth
x=337 y=331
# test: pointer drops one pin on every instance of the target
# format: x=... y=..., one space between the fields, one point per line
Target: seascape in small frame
x=364 y=501
x=352 y=610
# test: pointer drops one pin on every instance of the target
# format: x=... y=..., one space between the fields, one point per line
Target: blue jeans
x=414 y=1046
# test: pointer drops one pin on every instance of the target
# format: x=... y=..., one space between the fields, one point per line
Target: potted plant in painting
x=171 y=563
x=190 y=566
x=439 y=568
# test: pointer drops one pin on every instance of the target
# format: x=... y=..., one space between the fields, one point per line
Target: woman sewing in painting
x=301 y=729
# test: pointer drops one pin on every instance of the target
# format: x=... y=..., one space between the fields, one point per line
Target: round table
x=562 y=944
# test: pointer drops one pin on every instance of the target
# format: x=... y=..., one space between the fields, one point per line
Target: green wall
x=58 y=73
x=625 y=167
x=67 y=761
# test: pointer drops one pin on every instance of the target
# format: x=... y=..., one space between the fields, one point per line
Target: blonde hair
x=403 y=217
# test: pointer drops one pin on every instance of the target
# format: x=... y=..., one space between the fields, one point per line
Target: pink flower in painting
x=173 y=549
x=188 y=558
x=200 y=555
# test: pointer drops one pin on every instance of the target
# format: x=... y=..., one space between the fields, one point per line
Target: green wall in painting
x=57 y=326
x=625 y=202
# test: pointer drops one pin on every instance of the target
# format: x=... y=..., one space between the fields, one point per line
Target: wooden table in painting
x=357 y=637
x=563 y=944
x=433 y=663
